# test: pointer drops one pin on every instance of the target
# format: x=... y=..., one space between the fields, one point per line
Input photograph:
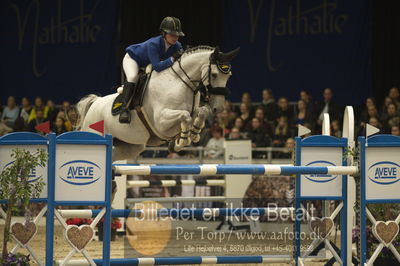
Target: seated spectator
x=282 y=132
x=39 y=119
x=39 y=104
x=259 y=137
x=363 y=110
x=335 y=129
x=239 y=124
x=372 y=111
x=59 y=126
x=288 y=152
x=66 y=106
x=395 y=130
x=269 y=105
x=245 y=113
x=259 y=114
x=228 y=107
x=395 y=121
x=284 y=109
x=25 y=110
x=62 y=115
x=10 y=113
x=73 y=117
x=391 y=112
x=53 y=111
x=373 y=121
x=303 y=115
x=386 y=102
x=223 y=121
x=235 y=134
x=394 y=94
x=327 y=106
x=216 y=143
x=246 y=99
x=306 y=97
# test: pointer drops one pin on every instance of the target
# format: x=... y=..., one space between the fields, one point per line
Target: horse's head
x=218 y=72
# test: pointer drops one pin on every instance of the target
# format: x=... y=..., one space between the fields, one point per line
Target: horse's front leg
x=168 y=119
x=199 y=123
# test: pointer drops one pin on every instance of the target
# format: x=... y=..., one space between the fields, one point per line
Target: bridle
x=205 y=90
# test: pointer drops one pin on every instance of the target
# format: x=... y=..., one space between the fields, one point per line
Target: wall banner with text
x=291 y=45
x=60 y=49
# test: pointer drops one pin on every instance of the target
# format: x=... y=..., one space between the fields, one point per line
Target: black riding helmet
x=171 y=25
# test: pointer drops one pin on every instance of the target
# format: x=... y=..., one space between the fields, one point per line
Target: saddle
x=136 y=99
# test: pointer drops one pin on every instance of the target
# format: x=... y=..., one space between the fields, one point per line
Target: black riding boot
x=125 y=116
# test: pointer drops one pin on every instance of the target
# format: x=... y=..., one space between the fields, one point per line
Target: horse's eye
x=214 y=76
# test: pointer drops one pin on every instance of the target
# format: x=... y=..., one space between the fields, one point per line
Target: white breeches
x=131 y=68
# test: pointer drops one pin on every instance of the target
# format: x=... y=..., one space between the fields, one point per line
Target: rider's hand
x=177 y=55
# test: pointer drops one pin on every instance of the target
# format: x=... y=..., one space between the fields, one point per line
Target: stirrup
x=125 y=116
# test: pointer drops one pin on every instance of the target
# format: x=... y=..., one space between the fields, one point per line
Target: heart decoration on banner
x=23 y=233
x=322 y=227
x=80 y=236
x=385 y=232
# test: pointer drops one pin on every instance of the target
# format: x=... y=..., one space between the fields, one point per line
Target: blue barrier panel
x=321 y=152
x=380 y=183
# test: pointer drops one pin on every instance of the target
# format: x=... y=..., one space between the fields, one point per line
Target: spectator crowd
x=25 y=116
x=273 y=123
x=270 y=123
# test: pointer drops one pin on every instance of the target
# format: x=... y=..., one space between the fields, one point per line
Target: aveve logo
x=79 y=172
x=34 y=175
x=320 y=178
x=384 y=173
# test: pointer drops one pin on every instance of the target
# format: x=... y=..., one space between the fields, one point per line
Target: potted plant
x=16 y=189
x=115 y=224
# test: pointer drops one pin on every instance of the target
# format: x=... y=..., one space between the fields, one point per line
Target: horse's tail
x=83 y=107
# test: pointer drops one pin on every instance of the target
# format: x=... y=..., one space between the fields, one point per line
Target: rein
x=205 y=90
x=193 y=87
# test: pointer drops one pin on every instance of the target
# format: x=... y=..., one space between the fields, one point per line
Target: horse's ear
x=215 y=54
x=229 y=56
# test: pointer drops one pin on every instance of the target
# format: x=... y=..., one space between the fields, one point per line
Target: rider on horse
x=160 y=51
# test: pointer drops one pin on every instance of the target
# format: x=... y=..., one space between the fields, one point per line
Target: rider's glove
x=177 y=55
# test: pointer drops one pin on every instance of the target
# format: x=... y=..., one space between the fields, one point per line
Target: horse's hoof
x=171 y=146
x=195 y=138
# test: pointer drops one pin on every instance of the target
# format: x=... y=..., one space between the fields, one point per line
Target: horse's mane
x=198 y=49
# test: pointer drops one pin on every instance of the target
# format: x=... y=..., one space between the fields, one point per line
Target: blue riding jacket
x=153 y=52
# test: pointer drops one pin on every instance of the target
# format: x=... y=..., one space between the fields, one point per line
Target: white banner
x=237 y=152
x=80 y=172
x=321 y=185
x=382 y=167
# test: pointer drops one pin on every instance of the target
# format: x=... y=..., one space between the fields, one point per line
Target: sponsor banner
x=38 y=173
x=320 y=184
x=80 y=172
x=382 y=167
x=237 y=152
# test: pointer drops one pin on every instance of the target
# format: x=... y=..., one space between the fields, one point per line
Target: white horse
x=170 y=109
